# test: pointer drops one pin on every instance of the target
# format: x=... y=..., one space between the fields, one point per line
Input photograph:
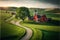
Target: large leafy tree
x=23 y=12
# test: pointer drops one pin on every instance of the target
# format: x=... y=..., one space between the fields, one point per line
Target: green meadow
x=45 y=30
x=9 y=31
x=41 y=30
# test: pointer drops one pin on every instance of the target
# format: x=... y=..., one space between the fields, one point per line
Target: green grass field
x=9 y=31
x=46 y=30
x=38 y=31
x=41 y=31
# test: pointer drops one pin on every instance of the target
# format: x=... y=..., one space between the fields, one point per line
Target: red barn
x=35 y=18
x=43 y=18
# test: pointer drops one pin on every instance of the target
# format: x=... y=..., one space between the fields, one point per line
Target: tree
x=23 y=12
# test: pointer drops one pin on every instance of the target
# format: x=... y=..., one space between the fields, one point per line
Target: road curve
x=28 y=30
x=10 y=18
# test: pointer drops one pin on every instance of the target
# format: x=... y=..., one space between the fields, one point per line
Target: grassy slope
x=44 y=31
x=41 y=26
x=38 y=31
x=9 y=31
x=37 y=34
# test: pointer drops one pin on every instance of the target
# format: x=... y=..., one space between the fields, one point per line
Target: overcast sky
x=29 y=3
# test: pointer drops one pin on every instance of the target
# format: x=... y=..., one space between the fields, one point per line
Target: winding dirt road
x=28 y=30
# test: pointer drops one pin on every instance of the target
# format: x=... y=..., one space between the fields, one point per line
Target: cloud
x=17 y=0
x=29 y=3
x=55 y=2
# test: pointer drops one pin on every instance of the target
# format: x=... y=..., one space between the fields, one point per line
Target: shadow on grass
x=10 y=38
x=50 y=35
x=13 y=37
x=49 y=23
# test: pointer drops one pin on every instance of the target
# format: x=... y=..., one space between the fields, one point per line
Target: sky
x=30 y=3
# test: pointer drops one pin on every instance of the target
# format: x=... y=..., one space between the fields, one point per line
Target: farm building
x=39 y=18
